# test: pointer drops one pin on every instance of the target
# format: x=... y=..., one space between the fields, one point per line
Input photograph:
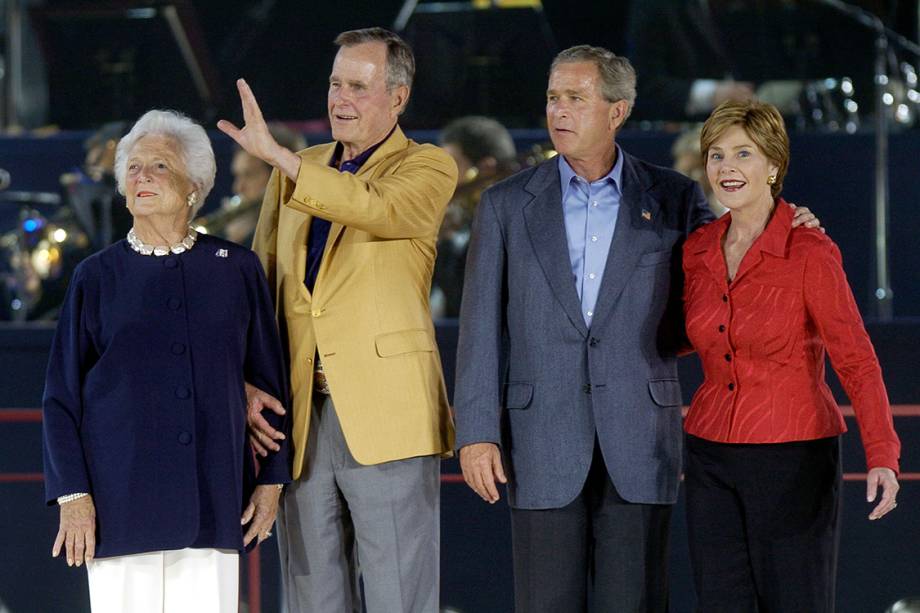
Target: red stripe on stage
x=445 y=478
x=897 y=410
x=457 y=478
x=254 y=568
x=21 y=477
x=35 y=415
x=862 y=477
x=20 y=415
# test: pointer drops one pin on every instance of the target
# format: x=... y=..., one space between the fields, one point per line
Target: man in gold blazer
x=347 y=237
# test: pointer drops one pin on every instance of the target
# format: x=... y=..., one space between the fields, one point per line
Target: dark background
x=104 y=62
x=103 y=67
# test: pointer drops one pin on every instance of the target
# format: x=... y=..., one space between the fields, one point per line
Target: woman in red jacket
x=762 y=303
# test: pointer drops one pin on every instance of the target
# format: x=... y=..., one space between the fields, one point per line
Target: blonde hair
x=764 y=125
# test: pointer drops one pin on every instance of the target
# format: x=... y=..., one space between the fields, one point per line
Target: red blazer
x=762 y=338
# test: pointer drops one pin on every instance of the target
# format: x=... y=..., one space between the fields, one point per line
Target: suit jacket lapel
x=545 y=224
x=322 y=154
x=397 y=141
x=635 y=233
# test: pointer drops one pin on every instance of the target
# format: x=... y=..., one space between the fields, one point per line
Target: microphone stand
x=882 y=307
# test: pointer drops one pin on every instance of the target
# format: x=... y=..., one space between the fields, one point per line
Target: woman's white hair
x=194 y=148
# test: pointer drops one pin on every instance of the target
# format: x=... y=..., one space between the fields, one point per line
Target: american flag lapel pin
x=222 y=253
x=646 y=215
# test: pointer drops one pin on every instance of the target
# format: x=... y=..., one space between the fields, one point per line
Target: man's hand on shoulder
x=804 y=217
x=481 y=464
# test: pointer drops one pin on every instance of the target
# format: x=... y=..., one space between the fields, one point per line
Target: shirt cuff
x=71 y=497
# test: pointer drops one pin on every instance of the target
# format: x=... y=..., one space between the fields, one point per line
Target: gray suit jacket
x=533 y=378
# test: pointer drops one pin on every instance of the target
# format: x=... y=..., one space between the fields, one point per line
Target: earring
x=771 y=179
x=192 y=199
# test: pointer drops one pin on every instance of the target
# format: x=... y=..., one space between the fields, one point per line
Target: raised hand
x=255 y=137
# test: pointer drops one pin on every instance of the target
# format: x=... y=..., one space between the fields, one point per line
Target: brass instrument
x=36 y=260
x=235 y=220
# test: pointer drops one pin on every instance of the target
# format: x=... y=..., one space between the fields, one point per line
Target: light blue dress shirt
x=590 y=210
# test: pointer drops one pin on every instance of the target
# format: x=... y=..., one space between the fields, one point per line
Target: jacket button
x=721 y=328
x=593 y=342
x=724 y=297
x=177 y=348
x=731 y=387
x=185 y=438
x=315 y=313
x=586 y=388
x=183 y=392
x=174 y=303
x=728 y=357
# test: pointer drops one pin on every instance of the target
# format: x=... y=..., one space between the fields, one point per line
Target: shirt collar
x=773 y=239
x=776 y=235
x=362 y=157
x=567 y=174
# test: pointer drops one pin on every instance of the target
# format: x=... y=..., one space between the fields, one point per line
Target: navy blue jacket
x=144 y=404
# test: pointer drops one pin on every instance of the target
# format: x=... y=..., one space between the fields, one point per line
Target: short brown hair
x=618 y=77
x=763 y=124
x=400 y=59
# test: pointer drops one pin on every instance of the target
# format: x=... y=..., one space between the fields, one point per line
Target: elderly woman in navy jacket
x=144 y=409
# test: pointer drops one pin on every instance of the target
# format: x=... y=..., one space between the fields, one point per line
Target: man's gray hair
x=618 y=77
x=400 y=59
x=191 y=139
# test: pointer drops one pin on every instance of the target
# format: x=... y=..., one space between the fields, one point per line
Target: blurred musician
x=485 y=153
x=236 y=219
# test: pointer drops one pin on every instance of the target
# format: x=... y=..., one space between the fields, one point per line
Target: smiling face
x=582 y=123
x=361 y=110
x=738 y=170
x=156 y=183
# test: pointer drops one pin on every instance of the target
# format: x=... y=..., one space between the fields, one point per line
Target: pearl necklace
x=158 y=250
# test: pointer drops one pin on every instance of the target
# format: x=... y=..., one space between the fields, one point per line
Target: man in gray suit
x=566 y=371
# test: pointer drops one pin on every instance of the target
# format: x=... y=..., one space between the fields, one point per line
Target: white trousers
x=185 y=580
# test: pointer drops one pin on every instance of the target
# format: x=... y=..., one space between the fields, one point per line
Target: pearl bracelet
x=71 y=497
